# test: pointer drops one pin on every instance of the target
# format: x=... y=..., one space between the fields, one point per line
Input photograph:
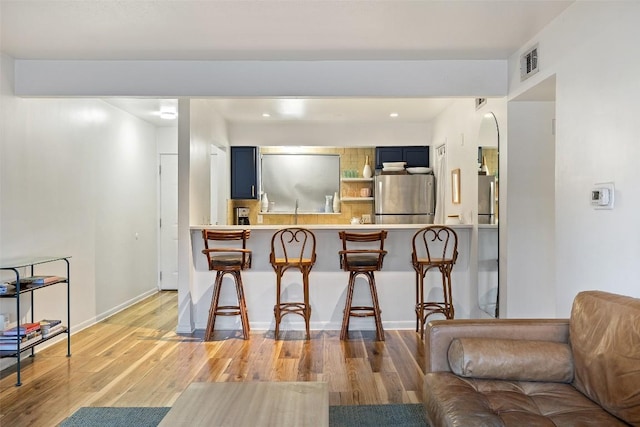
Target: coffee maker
x=242 y=216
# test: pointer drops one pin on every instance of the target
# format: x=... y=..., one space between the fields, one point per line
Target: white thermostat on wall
x=602 y=195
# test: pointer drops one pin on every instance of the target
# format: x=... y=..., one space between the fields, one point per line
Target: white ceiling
x=275 y=30
x=251 y=110
x=271 y=29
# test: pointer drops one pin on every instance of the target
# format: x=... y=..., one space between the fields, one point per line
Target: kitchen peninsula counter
x=330 y=226
x=395 y=283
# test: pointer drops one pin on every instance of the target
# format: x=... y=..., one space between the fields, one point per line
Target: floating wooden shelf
x=356 y=179
x=357 y=199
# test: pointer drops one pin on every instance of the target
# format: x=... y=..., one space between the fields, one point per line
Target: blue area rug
x=115 y=417
x=410 y=415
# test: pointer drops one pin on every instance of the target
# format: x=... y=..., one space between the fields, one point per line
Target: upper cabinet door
x=388 y=154
x=244 y=173
x=415 y=156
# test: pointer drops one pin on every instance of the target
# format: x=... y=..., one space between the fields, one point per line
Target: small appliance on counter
x=242 y=216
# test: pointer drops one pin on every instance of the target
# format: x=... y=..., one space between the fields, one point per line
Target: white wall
x=167 y=140
x=200 y=128
x=207 y=129
x=530 y=245
x=590 y=48
x=330 y=134
x=78 y=178
x=458 y=127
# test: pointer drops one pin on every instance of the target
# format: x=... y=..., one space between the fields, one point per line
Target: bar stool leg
x=446 y=286
x=376 y=306
x=420 y=308
x=418 y=285
x=276 y=308
x=242 y=306
x=214 y=306
x=307 y=306
x=347 y=308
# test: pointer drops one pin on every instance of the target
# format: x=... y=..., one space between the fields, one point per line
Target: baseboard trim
x=317 y=326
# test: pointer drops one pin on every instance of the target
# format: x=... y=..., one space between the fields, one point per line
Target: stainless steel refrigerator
x=486 y=199
x=404 y=199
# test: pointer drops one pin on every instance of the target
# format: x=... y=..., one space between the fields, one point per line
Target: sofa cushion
x=453 y=401
x=604 y=333
x=517 y=360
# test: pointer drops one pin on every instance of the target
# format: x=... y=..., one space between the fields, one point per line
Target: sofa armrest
x=440 y=333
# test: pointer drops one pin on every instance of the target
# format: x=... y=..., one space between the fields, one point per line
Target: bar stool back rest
x=361 y=255
x=357 y=254
x=434 y=247
x=435 y=244
x=227 y=253
x=293 y=248
x=227 y=258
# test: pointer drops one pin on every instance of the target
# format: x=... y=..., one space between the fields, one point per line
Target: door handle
x=253 y=191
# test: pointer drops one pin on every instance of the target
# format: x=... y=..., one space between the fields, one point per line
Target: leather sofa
x=582 y=371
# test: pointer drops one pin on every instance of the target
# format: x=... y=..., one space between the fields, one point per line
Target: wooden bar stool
x=434 y=247
x=227 y=260
x=359 y=257
x=293 y=248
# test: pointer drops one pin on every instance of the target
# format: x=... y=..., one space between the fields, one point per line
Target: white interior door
x=168 y=221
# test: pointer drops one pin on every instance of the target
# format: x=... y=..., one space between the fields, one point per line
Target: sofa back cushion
x=513 y=360
x=604 y=333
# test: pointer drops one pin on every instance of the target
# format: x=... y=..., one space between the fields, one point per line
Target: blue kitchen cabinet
x=414 y=155
x=244 y=172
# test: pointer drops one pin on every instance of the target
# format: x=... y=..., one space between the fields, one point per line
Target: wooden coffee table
x=251 y=404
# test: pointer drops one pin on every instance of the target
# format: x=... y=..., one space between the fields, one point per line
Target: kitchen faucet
x=295 y=216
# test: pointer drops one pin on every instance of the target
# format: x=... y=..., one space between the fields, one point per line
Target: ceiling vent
x=529 y=63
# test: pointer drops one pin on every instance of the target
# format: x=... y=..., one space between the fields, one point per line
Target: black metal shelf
x=30 y=288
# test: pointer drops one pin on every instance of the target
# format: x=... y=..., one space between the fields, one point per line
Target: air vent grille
x=529 y=63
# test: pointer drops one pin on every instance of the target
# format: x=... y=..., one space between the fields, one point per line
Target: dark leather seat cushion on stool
x=227 y=260
x=362 y=260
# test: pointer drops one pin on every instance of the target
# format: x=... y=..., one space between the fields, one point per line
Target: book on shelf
x=54 y=330
x=21 y=338
x=25 y=329
x=38 y=280
x=51 y=322
x=12 y=345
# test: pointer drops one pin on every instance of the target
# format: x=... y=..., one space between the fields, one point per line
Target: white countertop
x=326 y=226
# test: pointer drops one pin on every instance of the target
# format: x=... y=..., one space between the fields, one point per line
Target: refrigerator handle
x=492 y=200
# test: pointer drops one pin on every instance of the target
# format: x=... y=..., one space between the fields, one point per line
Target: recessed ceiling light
x=393 y=114
x=266 y=115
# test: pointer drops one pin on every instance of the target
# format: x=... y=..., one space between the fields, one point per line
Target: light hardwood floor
x=135 y=358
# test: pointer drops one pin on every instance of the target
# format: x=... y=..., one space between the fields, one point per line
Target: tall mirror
x=488 y=189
